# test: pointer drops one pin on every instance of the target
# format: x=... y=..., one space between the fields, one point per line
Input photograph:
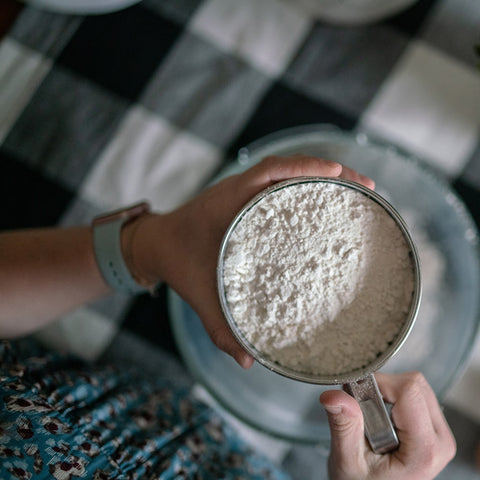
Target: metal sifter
x=359 y=382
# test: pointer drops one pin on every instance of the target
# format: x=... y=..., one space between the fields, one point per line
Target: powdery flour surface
x=318 y=278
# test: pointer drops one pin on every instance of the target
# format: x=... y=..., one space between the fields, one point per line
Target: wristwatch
x=108 y=248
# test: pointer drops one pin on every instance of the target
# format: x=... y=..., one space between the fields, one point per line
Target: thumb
x=346 y=427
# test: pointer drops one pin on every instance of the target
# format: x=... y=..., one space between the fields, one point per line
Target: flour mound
x=318 y=277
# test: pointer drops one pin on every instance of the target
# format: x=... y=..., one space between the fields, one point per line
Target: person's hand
x=426 y=442
x=186 y=242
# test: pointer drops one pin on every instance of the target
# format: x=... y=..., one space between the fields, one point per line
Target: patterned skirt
x=62 y=418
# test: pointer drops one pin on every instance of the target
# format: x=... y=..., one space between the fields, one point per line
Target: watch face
x=126 y=213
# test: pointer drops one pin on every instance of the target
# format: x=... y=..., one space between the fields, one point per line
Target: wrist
x=140 y=240
x=121 y=251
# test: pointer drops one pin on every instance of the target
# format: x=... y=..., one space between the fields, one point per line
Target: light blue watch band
x=108 y=252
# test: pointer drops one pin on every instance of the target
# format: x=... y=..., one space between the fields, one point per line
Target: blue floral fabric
x=63 y=419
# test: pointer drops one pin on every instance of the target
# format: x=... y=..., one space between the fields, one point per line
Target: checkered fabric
x=152 y=101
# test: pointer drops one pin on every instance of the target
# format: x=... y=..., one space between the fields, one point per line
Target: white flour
x=420 y=345
x=318 y=278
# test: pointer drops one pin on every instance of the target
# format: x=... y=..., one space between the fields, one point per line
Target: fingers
x=425 y=437
x=219 y=332
x=274 y=169
x=354 y=176
x=348 y=443
x=401 y=391
x=413 y=383
x=223 y=339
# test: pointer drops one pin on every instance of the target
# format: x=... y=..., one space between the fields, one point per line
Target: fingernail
x=333 y=409
x=331 y=164
x=368 y=181
x=245 y=360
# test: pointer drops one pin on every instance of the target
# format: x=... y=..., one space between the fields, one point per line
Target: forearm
x=43 y=274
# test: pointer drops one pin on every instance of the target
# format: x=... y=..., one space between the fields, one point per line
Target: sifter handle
x=379 y=428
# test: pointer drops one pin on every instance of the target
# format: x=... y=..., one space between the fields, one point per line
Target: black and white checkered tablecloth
x=152 y=101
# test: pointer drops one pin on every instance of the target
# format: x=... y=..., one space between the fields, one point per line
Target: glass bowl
x=447 y=322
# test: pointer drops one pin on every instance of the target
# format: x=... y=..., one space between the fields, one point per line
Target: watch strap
x=108 y=253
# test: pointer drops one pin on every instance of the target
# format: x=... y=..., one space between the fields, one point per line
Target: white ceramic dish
x=82 y=7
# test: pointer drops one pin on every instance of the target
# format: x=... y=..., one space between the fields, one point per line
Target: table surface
x=152 y=101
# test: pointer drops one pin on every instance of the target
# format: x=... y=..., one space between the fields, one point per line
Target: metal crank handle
x=379 y=428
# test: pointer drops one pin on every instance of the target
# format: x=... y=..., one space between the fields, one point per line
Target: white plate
x=82 y=7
